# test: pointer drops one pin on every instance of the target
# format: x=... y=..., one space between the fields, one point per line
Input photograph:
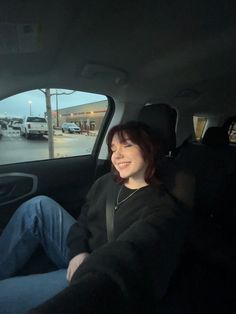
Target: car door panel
x=15 y=186
x=66 y=180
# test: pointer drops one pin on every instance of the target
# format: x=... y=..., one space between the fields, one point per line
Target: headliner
x=137 y=51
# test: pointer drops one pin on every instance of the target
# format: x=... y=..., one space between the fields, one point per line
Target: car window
x=36 y=119
x=33 y=131
x=199 y=126
x=232 y=132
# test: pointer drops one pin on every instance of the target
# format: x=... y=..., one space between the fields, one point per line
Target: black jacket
x=130 y=274
x=89 y=233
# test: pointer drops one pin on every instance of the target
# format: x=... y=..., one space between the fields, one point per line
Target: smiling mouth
x=122 y=165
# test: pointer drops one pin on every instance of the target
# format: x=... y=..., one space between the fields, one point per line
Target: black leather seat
x=215 y=137
x=212 y=240
x=194 y=284
x=178 y=180
x=180 y=183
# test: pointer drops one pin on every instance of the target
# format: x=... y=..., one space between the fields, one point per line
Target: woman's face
x=127 y=159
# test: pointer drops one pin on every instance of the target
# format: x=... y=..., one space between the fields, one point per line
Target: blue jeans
x=39 y=220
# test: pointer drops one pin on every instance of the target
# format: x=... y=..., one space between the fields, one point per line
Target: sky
x=19 y=105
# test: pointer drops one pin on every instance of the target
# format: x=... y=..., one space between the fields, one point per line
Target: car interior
x=168 y=64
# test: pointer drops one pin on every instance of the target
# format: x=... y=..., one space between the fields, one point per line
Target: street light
x=57 y=108
x=30 y=103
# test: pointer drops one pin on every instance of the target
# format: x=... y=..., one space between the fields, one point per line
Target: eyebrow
x=121 y=141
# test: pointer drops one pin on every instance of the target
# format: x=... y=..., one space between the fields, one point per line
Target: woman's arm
x=77 y=239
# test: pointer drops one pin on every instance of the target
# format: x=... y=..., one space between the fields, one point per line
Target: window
x=232 y=132
x=36 y=119
x=33 y=131
x=199 y=126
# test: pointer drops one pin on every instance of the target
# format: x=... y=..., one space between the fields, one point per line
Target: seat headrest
x=162 y=119
x=216 y=136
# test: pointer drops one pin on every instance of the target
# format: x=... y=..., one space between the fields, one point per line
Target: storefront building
x=87 y=116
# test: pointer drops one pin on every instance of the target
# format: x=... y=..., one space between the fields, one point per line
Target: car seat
x=212 y=240
x=177 y=179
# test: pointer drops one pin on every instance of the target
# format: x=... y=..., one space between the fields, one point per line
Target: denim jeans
x=39 y=220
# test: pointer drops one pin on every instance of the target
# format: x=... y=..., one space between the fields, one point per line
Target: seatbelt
x=110 y=211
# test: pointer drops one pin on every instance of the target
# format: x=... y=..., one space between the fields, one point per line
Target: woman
x=148 y=231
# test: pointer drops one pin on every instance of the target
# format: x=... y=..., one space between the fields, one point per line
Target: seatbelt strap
x=110 y=211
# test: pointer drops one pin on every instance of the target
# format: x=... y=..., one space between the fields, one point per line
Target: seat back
x=162 y=119
x=215 y=137
x=178 y=181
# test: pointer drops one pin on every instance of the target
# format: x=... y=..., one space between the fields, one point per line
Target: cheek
x=138 y=157
x=112 y=159
x=141 y=162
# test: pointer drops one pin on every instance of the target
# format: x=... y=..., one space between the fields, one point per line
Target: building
x=87 y=116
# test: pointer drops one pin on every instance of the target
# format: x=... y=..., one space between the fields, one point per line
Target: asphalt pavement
x=15 y=148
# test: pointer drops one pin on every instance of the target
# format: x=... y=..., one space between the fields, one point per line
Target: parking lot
x=15 y=148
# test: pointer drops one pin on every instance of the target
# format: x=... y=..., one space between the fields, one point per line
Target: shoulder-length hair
x=143 y=136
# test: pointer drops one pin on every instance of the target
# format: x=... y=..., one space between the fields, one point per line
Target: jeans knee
x=36 y=205
x=41 y=199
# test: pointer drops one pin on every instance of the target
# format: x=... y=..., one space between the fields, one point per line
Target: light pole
x=57 y=108
x=30 y=103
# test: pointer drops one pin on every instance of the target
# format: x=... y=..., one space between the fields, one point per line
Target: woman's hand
x=74 y=263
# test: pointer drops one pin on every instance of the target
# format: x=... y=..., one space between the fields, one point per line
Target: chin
x=123 y=175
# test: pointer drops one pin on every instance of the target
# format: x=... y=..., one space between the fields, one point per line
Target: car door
x=25 y=174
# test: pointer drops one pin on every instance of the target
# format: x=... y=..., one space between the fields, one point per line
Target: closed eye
x=128 y=143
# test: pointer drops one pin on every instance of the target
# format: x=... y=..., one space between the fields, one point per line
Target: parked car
x=10 y=124
x=3 y=124
x=70 y=127
x=34 y=126
x=16 y=125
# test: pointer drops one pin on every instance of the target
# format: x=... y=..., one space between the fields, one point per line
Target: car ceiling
x=137 y=51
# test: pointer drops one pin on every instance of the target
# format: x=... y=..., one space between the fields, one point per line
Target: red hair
x=143 y=136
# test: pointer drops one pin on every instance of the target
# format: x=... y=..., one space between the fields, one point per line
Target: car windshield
x=36 y=119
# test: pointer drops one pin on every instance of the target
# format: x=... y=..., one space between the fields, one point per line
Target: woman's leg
x=39 y=220
x=20 y=294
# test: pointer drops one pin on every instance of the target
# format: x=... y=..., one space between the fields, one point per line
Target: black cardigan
x=130 y=274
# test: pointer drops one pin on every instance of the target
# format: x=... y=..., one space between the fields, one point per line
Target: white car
x=70 y=127
x=34 y=126
x=16 y=125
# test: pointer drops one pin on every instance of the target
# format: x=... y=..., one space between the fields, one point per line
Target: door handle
x=16 y=185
